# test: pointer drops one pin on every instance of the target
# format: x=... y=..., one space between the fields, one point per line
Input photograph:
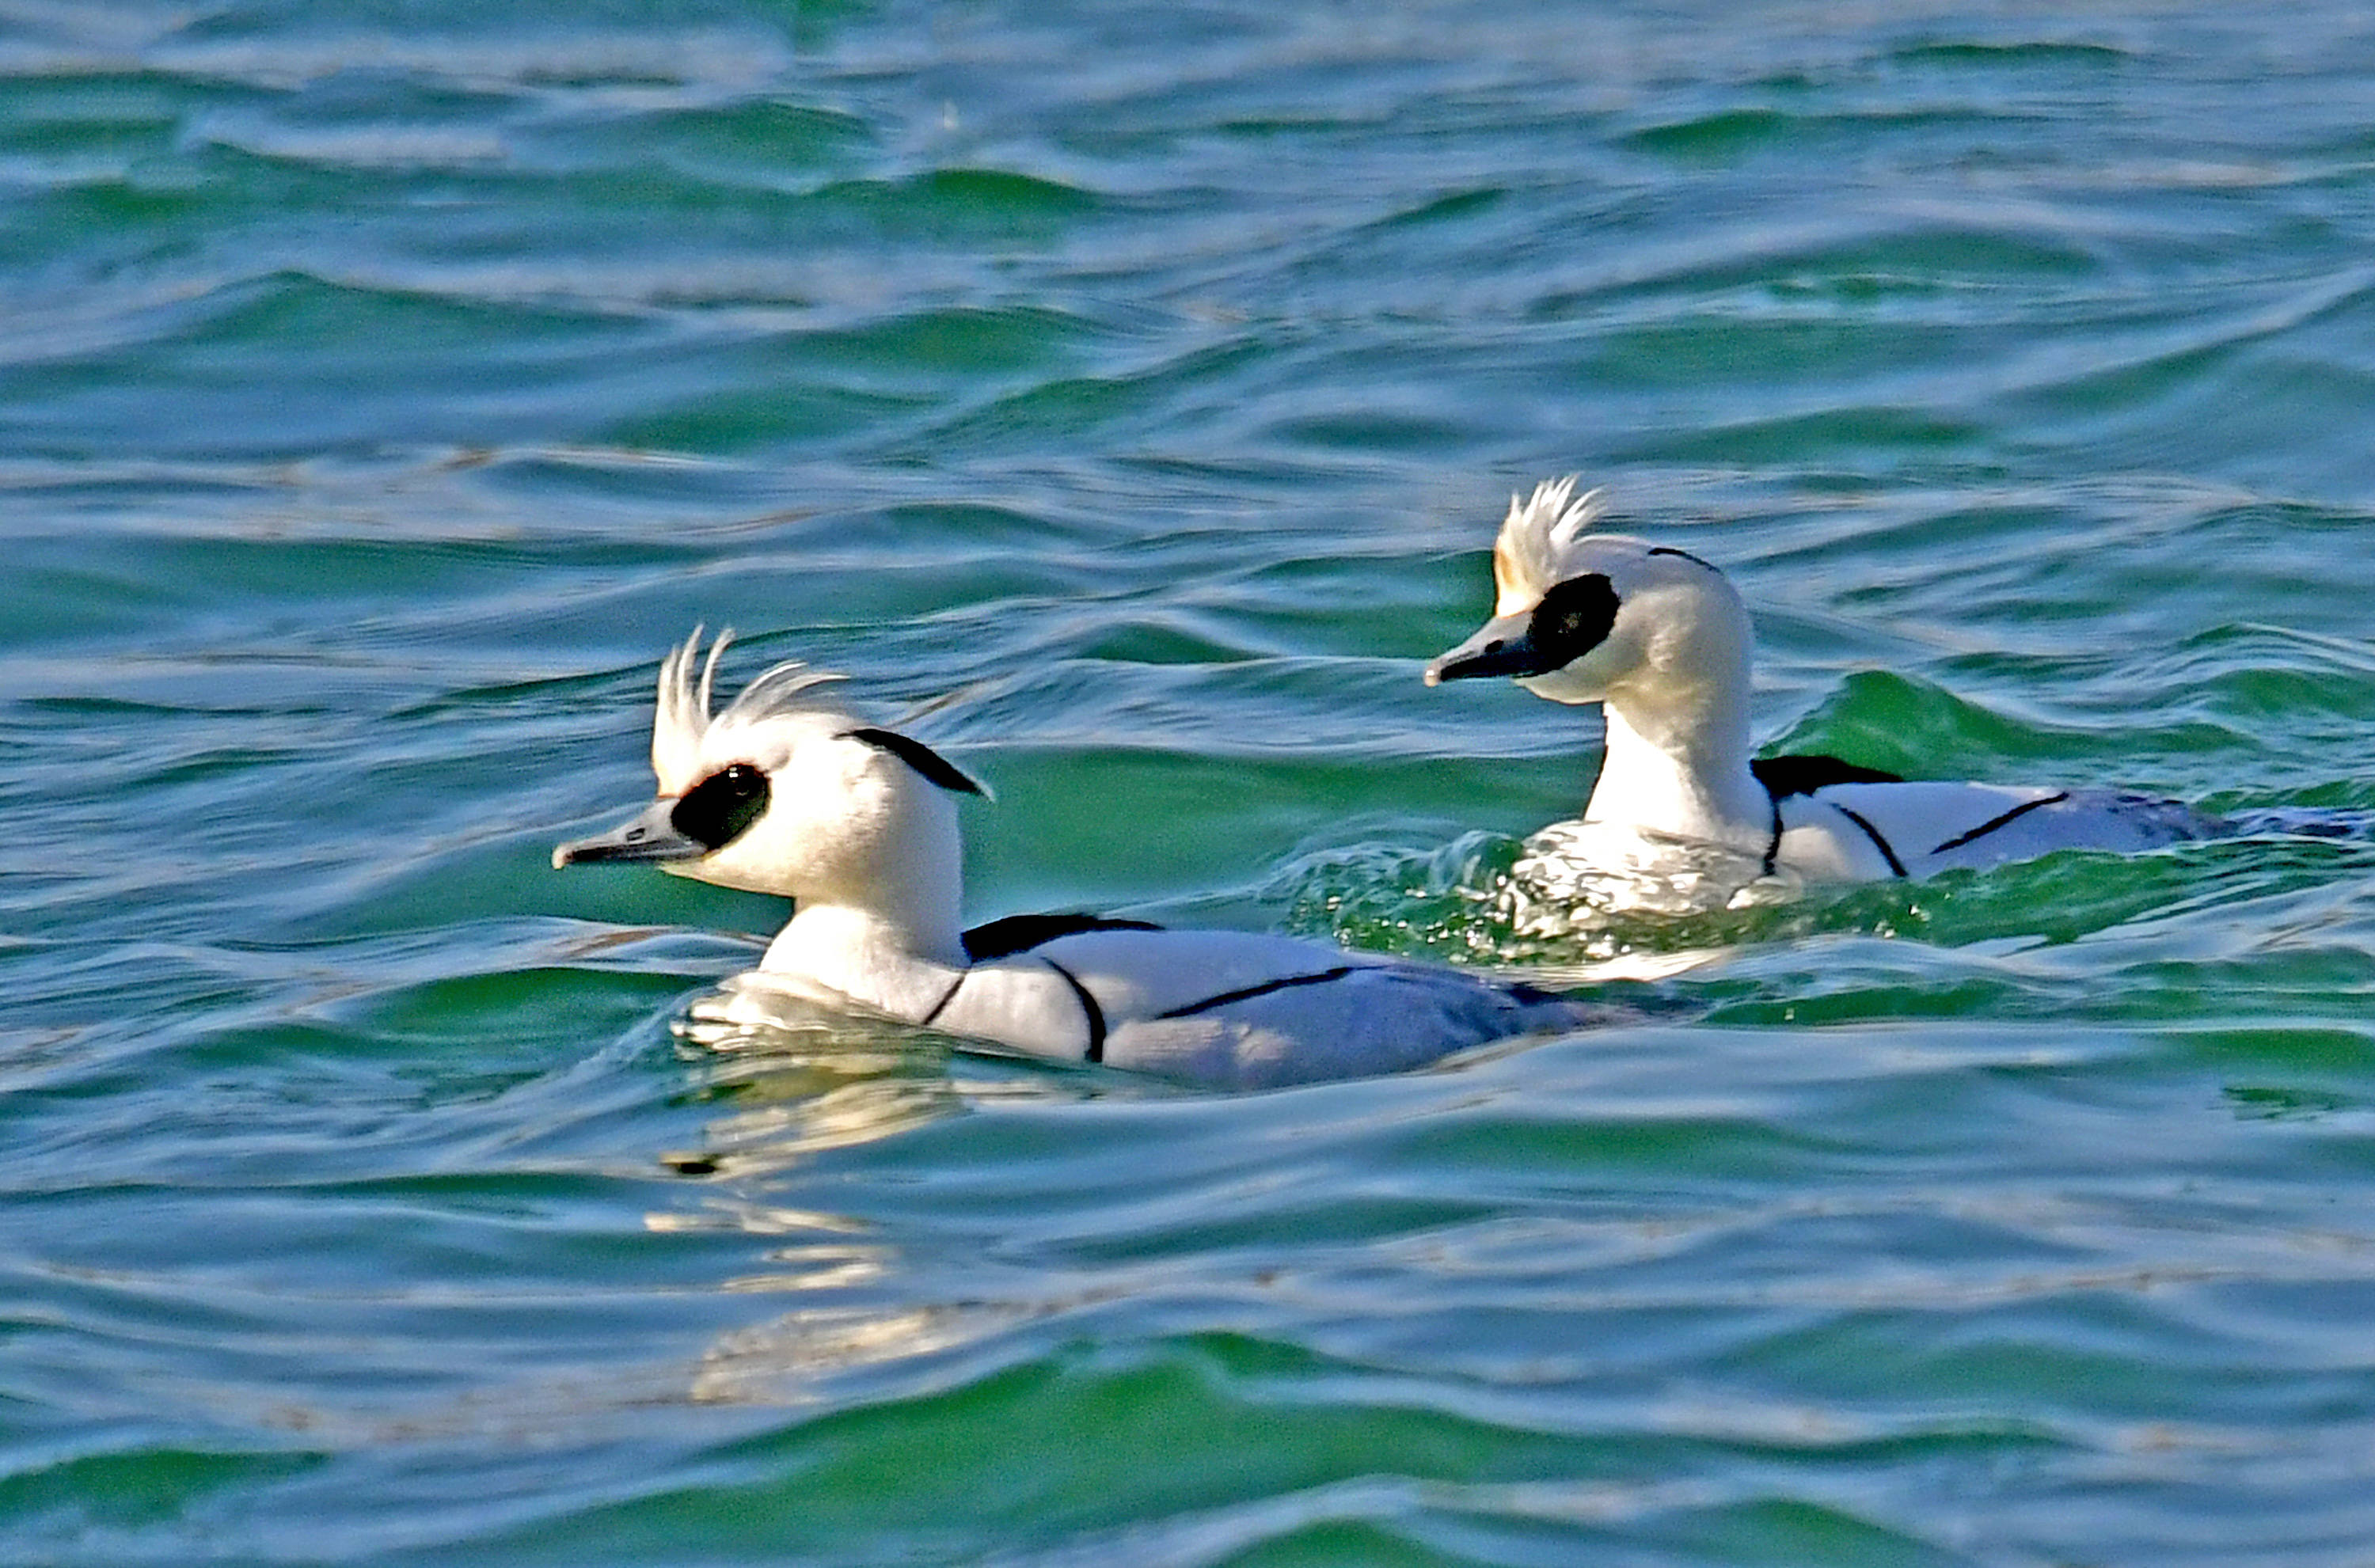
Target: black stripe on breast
x=1785 y=776
x=946 y=998
x=1668 y=549
x=1089 y=1009
x=1264 y=989
x=1887 y=854
x=1984 y=829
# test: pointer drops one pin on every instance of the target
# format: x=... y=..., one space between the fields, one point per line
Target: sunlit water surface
x=1126 y=395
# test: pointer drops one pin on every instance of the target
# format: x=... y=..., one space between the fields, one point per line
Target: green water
x=1126 y=396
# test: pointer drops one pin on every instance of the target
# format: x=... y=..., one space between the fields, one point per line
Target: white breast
x=1569 y=874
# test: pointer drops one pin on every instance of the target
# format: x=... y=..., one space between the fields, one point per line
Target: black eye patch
x=1573 y=618
x=721 y=808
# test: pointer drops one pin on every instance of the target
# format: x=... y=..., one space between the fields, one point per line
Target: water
x=1127 y=394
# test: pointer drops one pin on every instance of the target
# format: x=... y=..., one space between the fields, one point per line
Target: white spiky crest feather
x=1537 y=530
x=683 y=719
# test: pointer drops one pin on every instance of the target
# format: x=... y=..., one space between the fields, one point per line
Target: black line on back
x=1668 y=549
x=1786 y=776
x=1873 y=834
x=1264 y=989
x=918 y=756
x=1013 y=934
x=1088 y=1008
x=1984 y=829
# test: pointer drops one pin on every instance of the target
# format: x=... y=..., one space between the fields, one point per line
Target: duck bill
x=651 y=836
x=1504 y=645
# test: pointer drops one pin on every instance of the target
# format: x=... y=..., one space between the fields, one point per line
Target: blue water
x=1126 y=396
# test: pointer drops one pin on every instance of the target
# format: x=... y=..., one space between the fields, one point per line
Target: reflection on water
x=800 y=1078
x=803 y=1077
x=792 y=1360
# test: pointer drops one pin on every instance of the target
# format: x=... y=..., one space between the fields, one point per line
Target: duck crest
x=1538 y=531
x=683 y=718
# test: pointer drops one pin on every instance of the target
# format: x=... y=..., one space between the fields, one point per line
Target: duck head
x=1587 y=616
x=783 y=793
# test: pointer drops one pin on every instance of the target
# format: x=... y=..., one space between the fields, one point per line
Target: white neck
x=1677 y=760
x=867 y=955
x=884 y=926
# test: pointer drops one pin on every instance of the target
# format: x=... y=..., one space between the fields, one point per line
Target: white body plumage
x=1661 y=641
x=781 y=794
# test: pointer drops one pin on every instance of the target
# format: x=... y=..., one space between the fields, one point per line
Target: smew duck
x=786 y=792
x=1684 y=813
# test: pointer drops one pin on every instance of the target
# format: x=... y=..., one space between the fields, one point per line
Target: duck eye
x=721 y=808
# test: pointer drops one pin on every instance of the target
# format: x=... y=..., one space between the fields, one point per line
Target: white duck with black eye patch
x=1661 y=640
x=784 y=793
